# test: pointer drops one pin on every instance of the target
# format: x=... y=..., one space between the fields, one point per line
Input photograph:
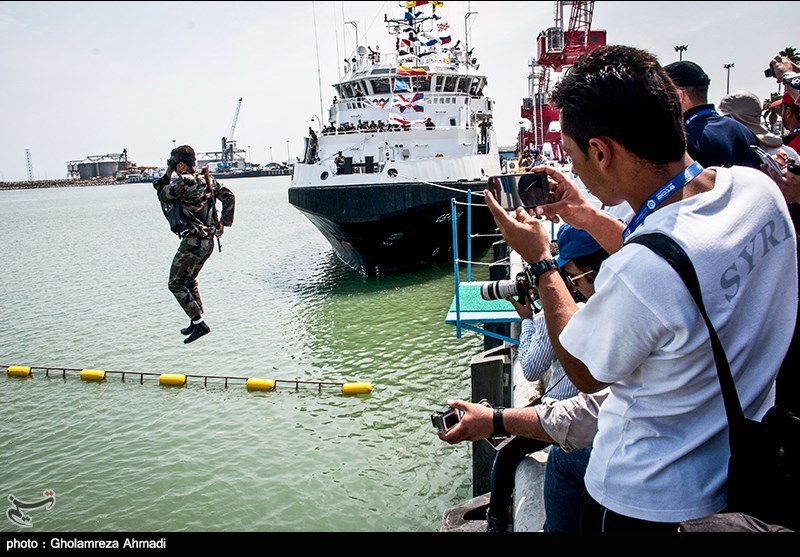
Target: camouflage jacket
x=190 y=189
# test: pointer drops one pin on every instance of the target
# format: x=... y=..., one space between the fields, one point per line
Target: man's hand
x=476 y=423
x=569 y=204
x=525 y=310
x=523 y=233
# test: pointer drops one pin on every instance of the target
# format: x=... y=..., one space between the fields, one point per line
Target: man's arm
x=571 y=206
x=570 y=423
x=528 y=238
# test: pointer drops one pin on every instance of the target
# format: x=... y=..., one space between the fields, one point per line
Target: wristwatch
x=540 y=268
x=497 y=422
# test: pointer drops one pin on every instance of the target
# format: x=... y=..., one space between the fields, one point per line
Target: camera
x=769 y=72
x=521 y=287
x=526 y=190
x=446 y=418
x=172 y=164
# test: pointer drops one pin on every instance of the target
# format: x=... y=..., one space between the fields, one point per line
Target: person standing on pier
x=197 y=193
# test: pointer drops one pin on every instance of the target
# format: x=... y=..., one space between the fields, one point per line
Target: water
x=84 y=285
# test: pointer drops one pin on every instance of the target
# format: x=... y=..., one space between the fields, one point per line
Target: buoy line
x=180 y=379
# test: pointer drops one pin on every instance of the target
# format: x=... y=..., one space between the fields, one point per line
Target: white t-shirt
x=661 y=451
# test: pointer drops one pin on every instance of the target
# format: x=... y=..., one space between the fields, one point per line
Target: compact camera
x=446 y=418
x=521 y=287
x=769 y=72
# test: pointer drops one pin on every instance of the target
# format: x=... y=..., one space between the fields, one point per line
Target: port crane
x=228 y=143
x=558 y=47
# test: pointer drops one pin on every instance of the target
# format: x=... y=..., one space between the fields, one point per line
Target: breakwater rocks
x=63 y=183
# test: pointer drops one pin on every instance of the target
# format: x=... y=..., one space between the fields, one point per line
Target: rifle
x=213 y=206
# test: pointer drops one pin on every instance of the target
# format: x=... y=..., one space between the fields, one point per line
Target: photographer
x=197 y=199
x=661 y=451
x=579 y=259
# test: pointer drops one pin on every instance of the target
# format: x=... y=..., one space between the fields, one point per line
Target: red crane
x=557 y=49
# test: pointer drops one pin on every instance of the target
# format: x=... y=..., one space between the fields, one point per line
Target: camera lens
x=499 y=290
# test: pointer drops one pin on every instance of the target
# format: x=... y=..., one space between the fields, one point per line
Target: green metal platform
x=474 y=309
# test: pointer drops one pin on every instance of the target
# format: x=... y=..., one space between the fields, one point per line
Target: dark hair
x=591 y=261
x=184 y=154
x=622 y=92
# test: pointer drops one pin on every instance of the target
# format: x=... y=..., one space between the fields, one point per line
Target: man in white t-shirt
x=661 y=451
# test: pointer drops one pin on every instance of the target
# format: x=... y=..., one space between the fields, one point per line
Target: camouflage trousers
x=186 y=265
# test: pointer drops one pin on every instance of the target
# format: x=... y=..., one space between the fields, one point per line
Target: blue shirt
x=536 y=356
x=714 y=140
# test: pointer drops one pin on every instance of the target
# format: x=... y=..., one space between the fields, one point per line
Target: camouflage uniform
x=197 y=243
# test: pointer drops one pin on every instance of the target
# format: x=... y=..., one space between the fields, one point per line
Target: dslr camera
x=522 y=287
x=446 y=418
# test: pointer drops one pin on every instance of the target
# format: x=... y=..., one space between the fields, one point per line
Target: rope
x=440 y=185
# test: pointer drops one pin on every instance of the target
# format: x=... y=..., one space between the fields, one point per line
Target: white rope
x=439 y=185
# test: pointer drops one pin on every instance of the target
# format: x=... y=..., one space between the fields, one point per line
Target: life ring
x=512 y=166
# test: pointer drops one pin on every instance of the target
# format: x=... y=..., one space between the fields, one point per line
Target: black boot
x=199 y=330
x=188 y=330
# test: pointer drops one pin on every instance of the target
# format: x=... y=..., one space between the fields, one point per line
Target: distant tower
x=30 y=164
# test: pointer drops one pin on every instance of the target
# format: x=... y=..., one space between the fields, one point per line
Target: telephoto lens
x=499 y=290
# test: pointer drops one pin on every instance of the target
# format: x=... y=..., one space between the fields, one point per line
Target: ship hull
x=381 y=227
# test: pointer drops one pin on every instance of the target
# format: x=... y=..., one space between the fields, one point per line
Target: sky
x=89 y=78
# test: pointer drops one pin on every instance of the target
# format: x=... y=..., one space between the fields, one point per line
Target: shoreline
x=60 y=183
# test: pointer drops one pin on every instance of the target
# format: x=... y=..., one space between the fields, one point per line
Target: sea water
x=84 y=285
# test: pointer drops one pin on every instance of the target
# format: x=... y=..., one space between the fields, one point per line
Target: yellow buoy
x=172 y=379
x=93 y=375
x=260 y=385
x=19 y=371
x=356 y=388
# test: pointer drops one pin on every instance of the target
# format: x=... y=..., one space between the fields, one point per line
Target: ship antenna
x=319 y=71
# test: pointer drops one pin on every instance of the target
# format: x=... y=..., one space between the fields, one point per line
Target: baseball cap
x=787 y=99
x=687 y=74
x=574 y=243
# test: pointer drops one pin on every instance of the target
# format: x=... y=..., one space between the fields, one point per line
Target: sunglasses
x=573 y=279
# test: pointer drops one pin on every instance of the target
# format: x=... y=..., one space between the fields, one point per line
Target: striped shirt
x=536 y=356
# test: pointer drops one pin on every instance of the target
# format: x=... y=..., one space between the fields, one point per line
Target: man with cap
x=579 y=258
x=712 y=140
x=790 y=115
x=198 y=206
x=745 y=107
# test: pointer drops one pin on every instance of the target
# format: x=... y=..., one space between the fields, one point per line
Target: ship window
x=450 y=83
x=380 y=86
x=463 y=84
x=476 y=87
x=347 y=90
x=440 y=83
x=421 y=83
x=378 y=71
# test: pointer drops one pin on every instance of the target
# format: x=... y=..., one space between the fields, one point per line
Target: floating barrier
x=172 y=379
x=260 y=385
x=180 y=379
x=19 y=371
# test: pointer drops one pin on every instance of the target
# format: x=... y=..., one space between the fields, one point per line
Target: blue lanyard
x=679 y=181
x=701 y=113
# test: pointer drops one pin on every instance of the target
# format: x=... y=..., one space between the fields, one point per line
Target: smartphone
x=526 y=190
x=766 y=159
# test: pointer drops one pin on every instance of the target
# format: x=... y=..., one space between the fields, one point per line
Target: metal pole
x=287 y=152
x=456 y=277
x=469 y=235
x=728 y=67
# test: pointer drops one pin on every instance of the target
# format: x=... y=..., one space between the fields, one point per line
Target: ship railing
x=468 y=309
